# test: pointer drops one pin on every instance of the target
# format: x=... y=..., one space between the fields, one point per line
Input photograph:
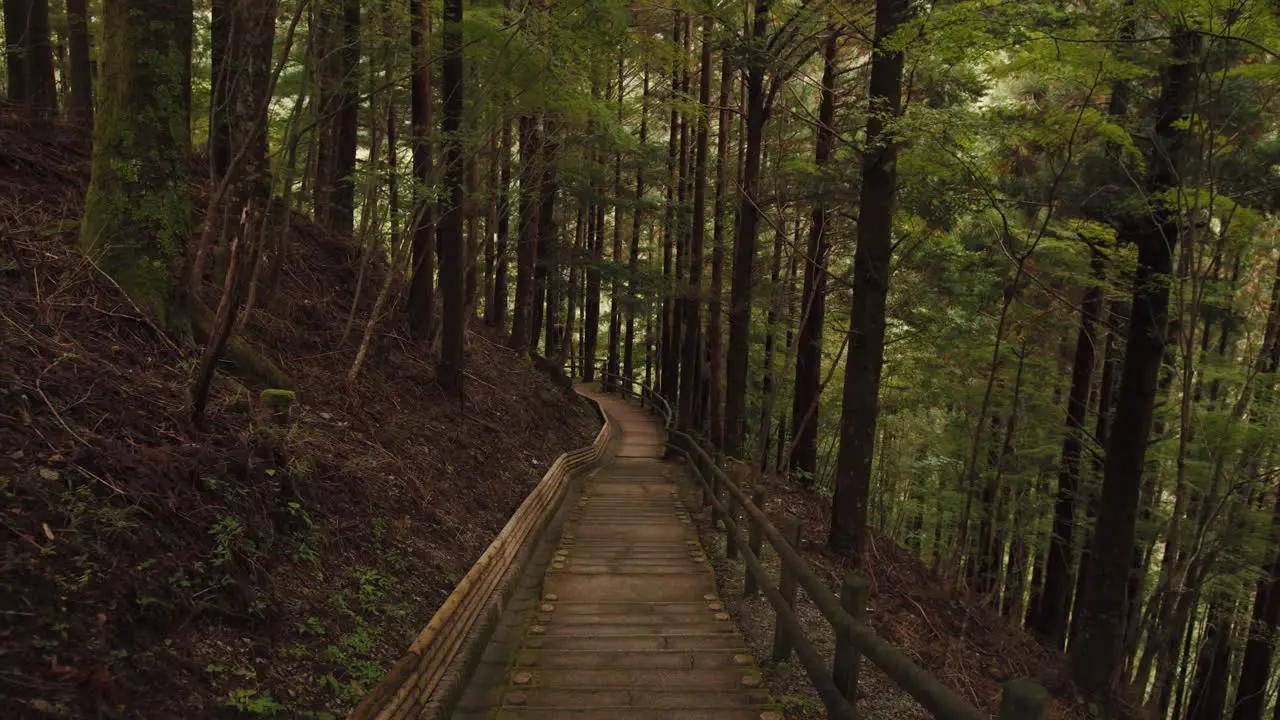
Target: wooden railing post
x=730 y=542
x=853 y=600
x=1024 y=700
x=714 y=481
x=749 y=583
x=786 y=588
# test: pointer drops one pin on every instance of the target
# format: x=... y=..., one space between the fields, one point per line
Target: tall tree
x=29 y=56
x=744 y=242
x=522 y=332
x=546 y=279
x=1051 y=623
x=339 y=92
x=808 y=383
x=715 y=307
x=861 y=403
x=615 y=305
x=668 y=345
x=137 y=216
x=691 y=371
x=453 y=324
x=81 y=106
x=1097 y=652
x=496 y=312
x=633 y=261
x=1255 y=669
x=422 y=294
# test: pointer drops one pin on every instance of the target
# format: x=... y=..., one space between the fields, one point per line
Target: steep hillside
x=152 y=569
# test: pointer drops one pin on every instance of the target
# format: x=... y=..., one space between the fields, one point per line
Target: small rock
x=326 y=416
x=523 y=678
x=50 y=474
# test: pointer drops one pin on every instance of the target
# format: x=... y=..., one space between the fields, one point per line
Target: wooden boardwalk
x=628 y=625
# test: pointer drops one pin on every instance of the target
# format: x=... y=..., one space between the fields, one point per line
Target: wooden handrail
x=1023 y=699
x=419 y=678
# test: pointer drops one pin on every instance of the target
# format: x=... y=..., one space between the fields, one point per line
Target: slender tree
x=633 y=261
x=422 y=301
x=339 y=85
x=744 y=247
x=691 y=370
x=522 y=332
x=81 y=106
x=452 y=364
x=1051 y=624
x=715 y=307
x=1097 y=652
x=808 y=382
x=861 y=403
x=497 y=310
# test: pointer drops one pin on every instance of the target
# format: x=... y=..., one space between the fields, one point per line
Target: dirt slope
x=149 y=569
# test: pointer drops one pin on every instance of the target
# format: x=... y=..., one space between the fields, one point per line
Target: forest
x=996 y=282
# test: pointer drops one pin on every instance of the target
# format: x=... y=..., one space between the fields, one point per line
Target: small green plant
x=312 y=627
x=228 y=539
x=371 y=589
x=248 y=700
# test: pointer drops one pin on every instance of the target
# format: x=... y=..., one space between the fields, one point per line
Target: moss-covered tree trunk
x=137 y=218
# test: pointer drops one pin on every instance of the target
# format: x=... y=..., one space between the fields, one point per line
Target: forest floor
x=152 y=569
x=951 y=634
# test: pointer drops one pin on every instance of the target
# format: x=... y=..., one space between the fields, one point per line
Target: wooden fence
x=836 y=686
x=422 y=682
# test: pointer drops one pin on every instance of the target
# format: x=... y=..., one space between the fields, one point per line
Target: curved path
x=628 y=625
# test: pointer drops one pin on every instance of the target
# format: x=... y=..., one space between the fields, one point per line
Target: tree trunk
x=340 y=88
x=591 y=323
x=548 y=242
x=15 y=28
x=453 y=325
x=527 y=237
x=1213 y=668
x=633 y=263
x=813 y=304
x=137 y=216
x=497 y=311
x=1051 y=625
x=29 y=54
x=691 y=372
x=668 y=377
x=575 y=283
x=744 y=250
x=81 y=106
x=220 y=87
x=615 y=307
x=715 y=309
x=767 y=391
x=1097 y=654
x=870 y=288
x=422 y=295
x=1251 y=695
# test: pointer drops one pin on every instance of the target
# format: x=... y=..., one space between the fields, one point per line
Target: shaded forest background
x=996 y=282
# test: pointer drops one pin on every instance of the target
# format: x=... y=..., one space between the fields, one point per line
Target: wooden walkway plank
x=629 y=626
